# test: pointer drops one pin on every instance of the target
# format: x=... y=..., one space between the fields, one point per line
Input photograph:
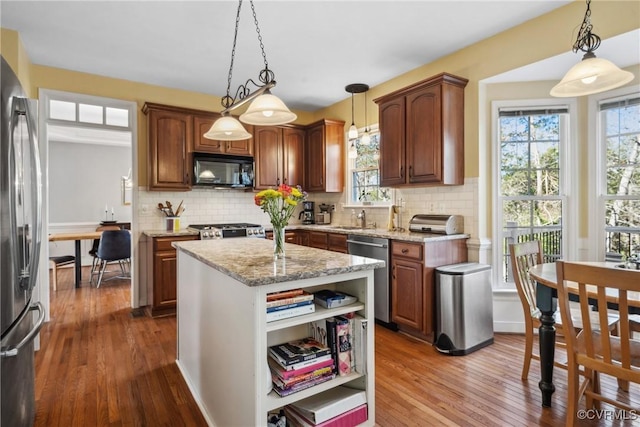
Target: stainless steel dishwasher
x=377 y=248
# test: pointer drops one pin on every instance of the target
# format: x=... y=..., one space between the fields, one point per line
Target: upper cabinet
x=324 y=158
x=202 y=124
x=170 y=133
x=279 y=156
x=422 y=133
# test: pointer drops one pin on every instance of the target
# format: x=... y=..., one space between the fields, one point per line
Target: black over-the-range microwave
x=210 y=170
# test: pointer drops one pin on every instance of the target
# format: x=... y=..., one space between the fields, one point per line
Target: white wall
x=83 y=178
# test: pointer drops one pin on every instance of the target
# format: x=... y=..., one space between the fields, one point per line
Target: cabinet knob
x=410 y=171
x=405 y=251
x=401 y=171
x=278 y=181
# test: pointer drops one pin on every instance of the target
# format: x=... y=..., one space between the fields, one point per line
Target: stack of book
x=299 y=364
x=338 y=407
x=285 y=304
x=332 y=299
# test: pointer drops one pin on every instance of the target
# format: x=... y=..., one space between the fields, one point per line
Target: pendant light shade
x=227 y=128
x=353 y=151
x=591 y=75
x=365 y=139
x=353 y=131
x=267 y=109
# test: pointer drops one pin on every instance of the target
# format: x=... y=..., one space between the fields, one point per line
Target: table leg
x=78 y=264
x=547 y=334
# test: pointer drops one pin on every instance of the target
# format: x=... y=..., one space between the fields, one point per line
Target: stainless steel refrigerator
x=20 y=239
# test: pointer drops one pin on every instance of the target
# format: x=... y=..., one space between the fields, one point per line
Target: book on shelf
x=350 y=418
x=297 y=351
x=308 y=366
x=284 y=294
x=304 y=296
x=329 y=404
x=332 y=341
x=359 y=351
x=304 y=385
x=302 y=365
x=332 y=299
x=343 y=340
x=289 y=382
x=291 y=312
x=288 y=306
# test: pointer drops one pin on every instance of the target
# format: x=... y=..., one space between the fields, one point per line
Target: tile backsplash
x=205 y=206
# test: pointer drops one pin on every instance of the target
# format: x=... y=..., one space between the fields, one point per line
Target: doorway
x=88 y=156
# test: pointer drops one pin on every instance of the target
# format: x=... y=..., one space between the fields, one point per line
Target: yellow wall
x=537 y=39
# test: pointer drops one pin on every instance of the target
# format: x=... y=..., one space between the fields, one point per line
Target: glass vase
x=278 y=242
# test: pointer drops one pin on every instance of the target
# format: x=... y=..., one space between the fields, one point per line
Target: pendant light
x=353 y=151
x=266 y=108
x=366 y=138
x=591 y=75
x=352 y=89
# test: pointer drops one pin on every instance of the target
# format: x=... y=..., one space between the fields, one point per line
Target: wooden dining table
x=546 y=293
x=77 y=237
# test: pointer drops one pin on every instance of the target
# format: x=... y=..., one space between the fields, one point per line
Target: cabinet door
x=392 y=142
x=337 y=242
x=165 y=277
x=424 y=136
x=315 y=160
x=201 y=125
x=303 y=237
x=170 y=136
x=318 y=239
x=268 y=159
x=407 y=293
x=293 y=156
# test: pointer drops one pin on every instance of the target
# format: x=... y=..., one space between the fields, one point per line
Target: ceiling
x=314 y=47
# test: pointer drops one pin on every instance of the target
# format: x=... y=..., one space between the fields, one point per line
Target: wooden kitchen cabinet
x=422 y=133
x=202 y=124
x=158 y=272
x=279 y=156
x=337 y=242
x=324 y=157
x=413 y=278
x=170 y=133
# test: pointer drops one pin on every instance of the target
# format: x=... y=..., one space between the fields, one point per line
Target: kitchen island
x=223 y=335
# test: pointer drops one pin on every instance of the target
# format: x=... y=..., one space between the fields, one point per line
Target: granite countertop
x=250 y=261
x=406 y=235
x=164 y=233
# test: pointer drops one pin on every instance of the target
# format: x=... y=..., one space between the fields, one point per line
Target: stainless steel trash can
x=464 y=308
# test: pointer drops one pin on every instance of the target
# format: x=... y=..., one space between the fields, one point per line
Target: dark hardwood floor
x=102 y=364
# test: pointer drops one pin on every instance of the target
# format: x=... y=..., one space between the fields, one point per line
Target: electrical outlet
x=333 y=208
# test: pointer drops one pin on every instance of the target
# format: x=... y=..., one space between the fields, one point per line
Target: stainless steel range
x=225 y=231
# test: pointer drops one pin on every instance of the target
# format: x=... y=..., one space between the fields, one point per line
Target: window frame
x=595 y=247
x=348 y=203
x=567 y=175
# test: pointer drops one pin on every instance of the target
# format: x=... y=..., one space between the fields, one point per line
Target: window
x=364 y=174
x=619 y=196
x=88 y=114
x=530 y=199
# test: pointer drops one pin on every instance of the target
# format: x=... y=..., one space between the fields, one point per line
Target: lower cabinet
x=413 y=281
x=158 y=274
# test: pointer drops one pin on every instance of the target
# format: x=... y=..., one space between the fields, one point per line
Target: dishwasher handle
x=375 y=245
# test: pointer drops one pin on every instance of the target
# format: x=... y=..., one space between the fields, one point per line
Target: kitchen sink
x=348 y=227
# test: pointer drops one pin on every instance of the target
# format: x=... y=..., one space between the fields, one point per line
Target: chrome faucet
x=362 y=219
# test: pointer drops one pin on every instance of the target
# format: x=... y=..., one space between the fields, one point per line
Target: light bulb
x=589 y=80
x=267 y=113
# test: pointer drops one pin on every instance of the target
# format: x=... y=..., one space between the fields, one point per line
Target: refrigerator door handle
x=28 y=272
x=13 y=351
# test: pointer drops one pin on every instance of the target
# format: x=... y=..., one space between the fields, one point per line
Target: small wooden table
x=87 y=235
x=546 y=289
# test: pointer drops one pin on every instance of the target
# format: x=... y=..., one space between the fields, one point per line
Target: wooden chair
x=58 y=261
x=594 y=350
x=524 y=256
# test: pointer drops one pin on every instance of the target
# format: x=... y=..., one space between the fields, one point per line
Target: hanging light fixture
x=352 y=89
x=266 y=108
x=591 y=75
x=353 y=151
x=366 y=138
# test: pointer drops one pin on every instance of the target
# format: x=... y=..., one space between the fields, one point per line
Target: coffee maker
x=307 y=215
